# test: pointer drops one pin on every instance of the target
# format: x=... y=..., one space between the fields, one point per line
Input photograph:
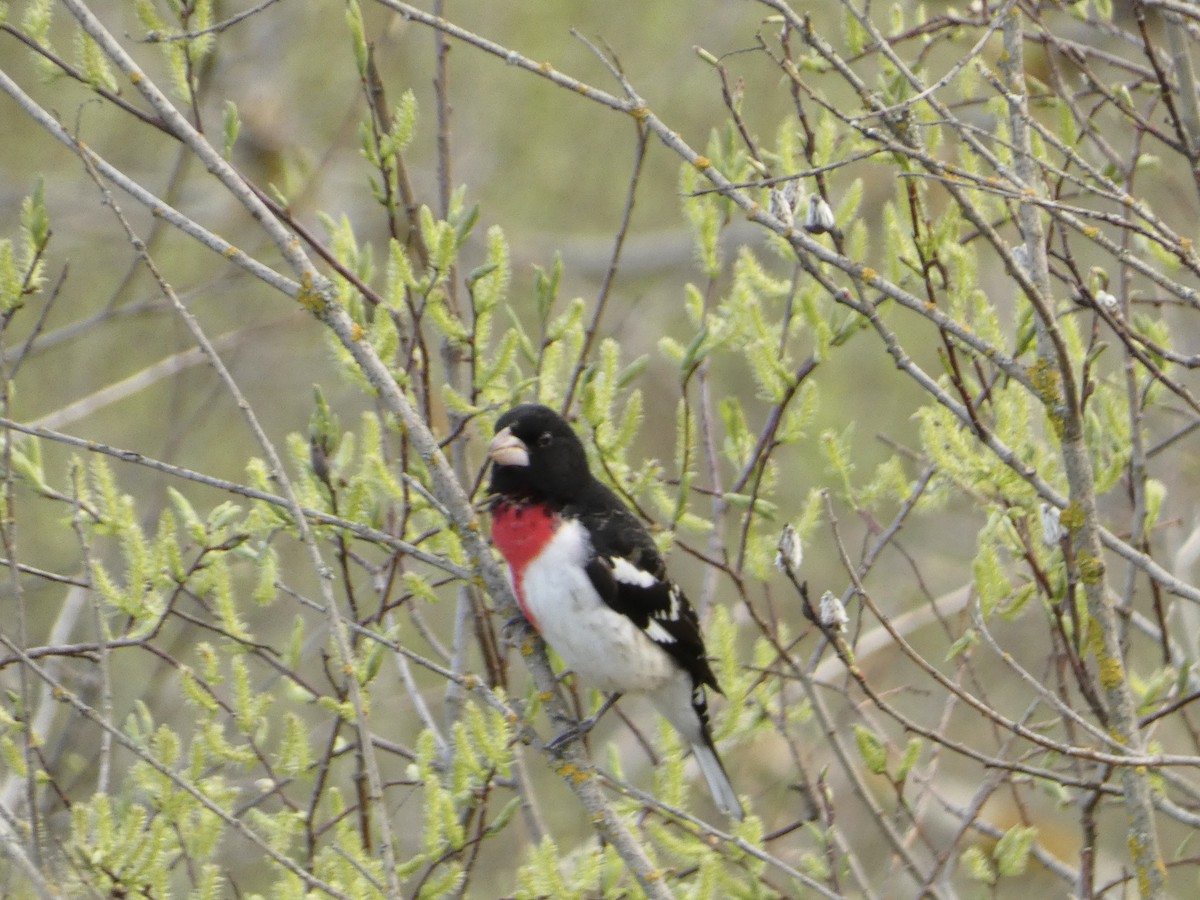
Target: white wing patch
x=627 y=573
x=658 y=634
x=672 y=613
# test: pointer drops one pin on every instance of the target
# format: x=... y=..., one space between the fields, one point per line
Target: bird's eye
x=545 y=438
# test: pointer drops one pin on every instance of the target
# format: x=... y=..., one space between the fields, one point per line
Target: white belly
x=601 y=646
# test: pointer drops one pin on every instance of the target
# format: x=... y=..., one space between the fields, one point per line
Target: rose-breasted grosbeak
x=589 y=578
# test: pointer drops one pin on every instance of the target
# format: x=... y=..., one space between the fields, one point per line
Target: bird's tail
x=683 y=704
x=718 y=782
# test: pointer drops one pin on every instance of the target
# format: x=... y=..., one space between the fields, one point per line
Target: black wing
x=629 y=575
x=615 y=531
x=657 y=607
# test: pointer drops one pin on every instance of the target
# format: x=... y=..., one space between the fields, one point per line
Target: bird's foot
x=579 y=729
x=513 y=627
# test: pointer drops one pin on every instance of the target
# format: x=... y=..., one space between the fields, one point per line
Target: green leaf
x=1011 y=610
x=419 y=586
x=990 y=580
x=191 y=520
x=443 y=883
x=268 y=574
x=1012 y=850
x=295 y=645
x=195 y=692
x=224 y=601
x=12 y=288
x=222 y=516
x=912 y=752
x=324 y=433
x=871 y=749
x=91 y=60
x=36 y=22
x=704 y=214
x=501 y=819
x=540 y=875
x=211 y=885
x=1156 y=493
x=358 y=36
x=856 y=35
x=545 y=285
x=977 y=865
x=404 y=123
x=27 y=463
x=695 y=351
x=464 y=224
x=837 y=453
x=35 y=221
x=13 y=757
x=968 y=640
x=294 y=755
x=232 y=127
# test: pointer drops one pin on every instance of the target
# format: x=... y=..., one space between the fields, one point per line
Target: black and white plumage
x=590 y=579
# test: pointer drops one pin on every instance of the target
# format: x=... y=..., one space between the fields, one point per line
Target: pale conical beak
x=506 y=449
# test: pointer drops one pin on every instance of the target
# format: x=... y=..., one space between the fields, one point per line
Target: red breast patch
x=521 y=533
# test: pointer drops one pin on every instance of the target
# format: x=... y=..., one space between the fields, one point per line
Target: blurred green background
x=550 y=168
